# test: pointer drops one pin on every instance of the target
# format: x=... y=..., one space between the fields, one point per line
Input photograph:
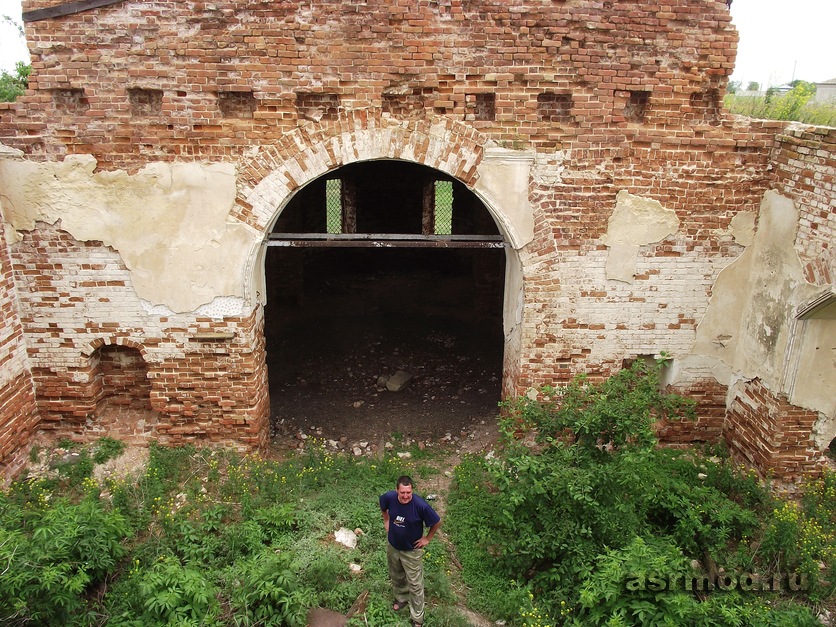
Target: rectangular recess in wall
x=554 y=107
x=70 y=100
x=145 y=102
x=636 y=108
x=481 y=107
x=237 y=104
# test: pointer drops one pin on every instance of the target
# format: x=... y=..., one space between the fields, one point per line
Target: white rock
x=346 y=537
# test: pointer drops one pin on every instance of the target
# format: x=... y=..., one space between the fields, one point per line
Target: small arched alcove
x=379 y=268
x=122 y=395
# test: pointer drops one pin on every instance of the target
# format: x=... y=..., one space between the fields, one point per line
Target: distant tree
x=734 y=87
x=14 y=85
x=753 y=86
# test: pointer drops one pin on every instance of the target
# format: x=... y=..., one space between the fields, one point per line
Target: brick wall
x=18 y=415
x=133 y=82
x=805 y=170
x=772 y=435
x=608 y=97
x=204 y=376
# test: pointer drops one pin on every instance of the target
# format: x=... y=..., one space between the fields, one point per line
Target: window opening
x=443 y=208
x=333 y=206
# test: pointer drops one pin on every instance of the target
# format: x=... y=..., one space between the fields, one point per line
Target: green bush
x=571 y=505
x=53 y=555
x=174 y=594
x=266 y=592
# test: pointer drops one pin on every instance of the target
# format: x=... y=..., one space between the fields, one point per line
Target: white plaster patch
x=220 y=307
x=170 y=222
x=750 y=324
x=742 y=227
x=634 y=222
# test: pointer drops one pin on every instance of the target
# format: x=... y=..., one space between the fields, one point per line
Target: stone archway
x=271 y=176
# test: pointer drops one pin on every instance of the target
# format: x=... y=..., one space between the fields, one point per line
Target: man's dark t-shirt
x=406 y=522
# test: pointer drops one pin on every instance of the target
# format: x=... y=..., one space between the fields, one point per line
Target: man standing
x=404 y=516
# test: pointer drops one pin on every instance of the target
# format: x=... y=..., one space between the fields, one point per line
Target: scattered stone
x=357 y=451
x=364 y=444
x=67 y=459
x=355 y=568
x=346 y=537
x=389 y=446
x=357 y=404
x=404 y=455
x=431 y=497
x=398 y=381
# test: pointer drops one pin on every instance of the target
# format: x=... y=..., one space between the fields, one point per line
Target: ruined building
x=176 y=170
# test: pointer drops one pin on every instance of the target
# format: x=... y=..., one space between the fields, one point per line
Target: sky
x=780 y=40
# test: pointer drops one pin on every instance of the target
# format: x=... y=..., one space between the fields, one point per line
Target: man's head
x=404 y=488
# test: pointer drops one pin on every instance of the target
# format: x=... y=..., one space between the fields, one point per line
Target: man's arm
x=385 y=513
x=423 y=541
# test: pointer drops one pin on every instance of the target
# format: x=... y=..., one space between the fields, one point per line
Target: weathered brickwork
x=306 y=61
x=805 y=170
x=772 y=435
x=18 y=415
x=205 y=377
x=600 y=99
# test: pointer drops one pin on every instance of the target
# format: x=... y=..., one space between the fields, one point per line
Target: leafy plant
x=14 y=84
x=266 y=592
x=177 y=594
x=107 y=448
x=53 y=554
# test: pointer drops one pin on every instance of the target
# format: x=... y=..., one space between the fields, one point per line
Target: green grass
x=210 y=537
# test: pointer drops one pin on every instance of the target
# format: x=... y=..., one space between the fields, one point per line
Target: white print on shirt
x=399 y=521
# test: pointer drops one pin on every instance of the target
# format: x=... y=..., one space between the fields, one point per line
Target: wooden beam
x=314 y=243
x=382 y=240
x=68 y=8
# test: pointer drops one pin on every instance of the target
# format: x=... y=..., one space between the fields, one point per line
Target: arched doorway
x=383 y=269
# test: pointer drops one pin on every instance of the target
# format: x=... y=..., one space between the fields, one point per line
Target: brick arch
x=96 y=344
x=268 y=178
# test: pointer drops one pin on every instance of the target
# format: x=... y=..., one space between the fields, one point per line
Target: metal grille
x=443 y=219
x=333 y=206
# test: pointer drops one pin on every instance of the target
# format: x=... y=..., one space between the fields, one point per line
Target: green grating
x=443 y=219
x=333 y=206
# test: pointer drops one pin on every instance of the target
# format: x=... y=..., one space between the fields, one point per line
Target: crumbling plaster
x=750 y=329
x=634 y=222
x=170 y=222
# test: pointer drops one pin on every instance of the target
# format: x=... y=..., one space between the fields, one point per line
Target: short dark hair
x=404 y=480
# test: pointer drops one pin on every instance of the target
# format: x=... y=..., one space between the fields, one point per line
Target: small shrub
x=107 y=448
x=174 y=594
x=53 y=555
x=266 y=592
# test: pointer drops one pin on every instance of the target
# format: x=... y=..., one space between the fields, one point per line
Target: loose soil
x=328 y=359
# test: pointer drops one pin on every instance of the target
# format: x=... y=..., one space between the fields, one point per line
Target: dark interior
x=339 y=318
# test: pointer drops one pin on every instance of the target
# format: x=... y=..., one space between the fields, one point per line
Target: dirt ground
x=329 y=359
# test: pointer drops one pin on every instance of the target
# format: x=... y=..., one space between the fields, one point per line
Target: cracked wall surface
x=170 y=222
x=750 y=327
x=635 y=222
